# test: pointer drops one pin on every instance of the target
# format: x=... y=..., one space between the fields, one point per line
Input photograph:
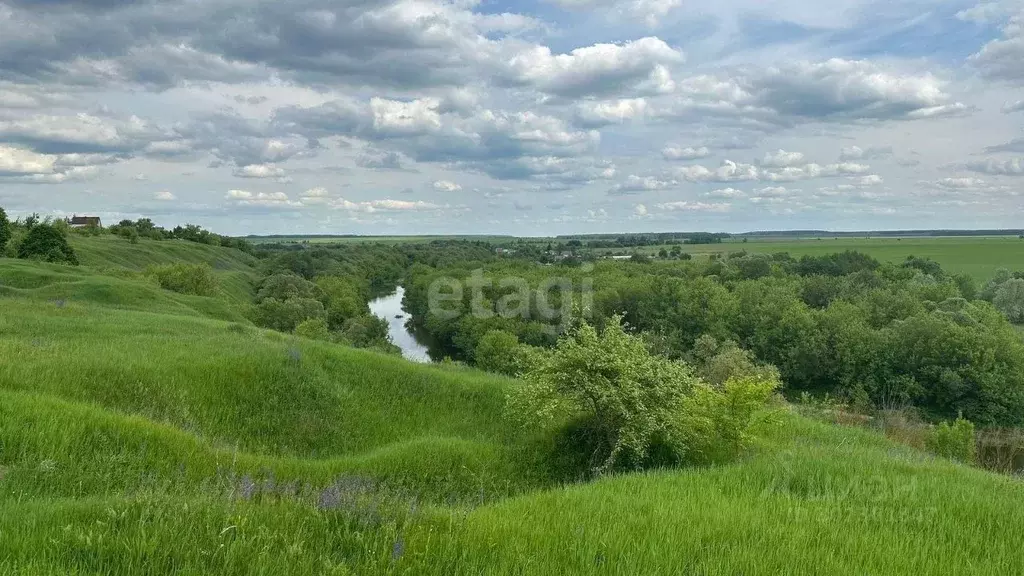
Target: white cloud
x=601 y=113
x=635 y=184
x=259 y=171
x=16 y=161
x=164 y=196
x=688 y=153
x=687 y=206
x=640 y=210
x=781 y=159
x=728 y=171
x=725 y=193
x=263 y=199
x=446 y=186
x=638 y=66
x=1009 y=167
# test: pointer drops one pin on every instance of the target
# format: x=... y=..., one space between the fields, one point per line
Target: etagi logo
x=554 y=301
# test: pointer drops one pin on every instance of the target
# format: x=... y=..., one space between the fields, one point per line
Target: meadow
x=148 y=432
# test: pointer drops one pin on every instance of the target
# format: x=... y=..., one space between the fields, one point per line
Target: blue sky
x=538 y=117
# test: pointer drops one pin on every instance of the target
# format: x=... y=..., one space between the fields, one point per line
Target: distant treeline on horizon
x=681 y=235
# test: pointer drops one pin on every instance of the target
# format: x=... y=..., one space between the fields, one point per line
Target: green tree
x=5 y=230
x=44 y=242
x=501 y=352
x=629 y=396
x=314 y=329
x=1009 y=300
x=285 y=316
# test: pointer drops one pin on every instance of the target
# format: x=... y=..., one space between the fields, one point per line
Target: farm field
x=978 y=256
x=145 y=432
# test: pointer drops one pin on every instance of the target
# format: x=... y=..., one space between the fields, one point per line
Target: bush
x=630 y=396
x=501 y=352
x=954 y=441
x=314 y=329
x=5 y=230
x=45 y=242
x=195 y=279
x=714 y=424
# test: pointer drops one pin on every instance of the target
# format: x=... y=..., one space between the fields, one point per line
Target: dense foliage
x=5 y=230
x=876 y=335
x=47 y=242
x=630 y=408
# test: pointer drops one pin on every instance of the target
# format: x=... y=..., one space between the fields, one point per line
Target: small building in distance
x=85 y=221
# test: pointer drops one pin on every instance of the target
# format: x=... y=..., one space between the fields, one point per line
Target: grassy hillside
x=139 y=435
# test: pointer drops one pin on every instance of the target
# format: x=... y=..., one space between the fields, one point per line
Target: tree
x=44 y=242
x=5 y=230
x=1009 y=300
x=501 y=352
x=629 y=396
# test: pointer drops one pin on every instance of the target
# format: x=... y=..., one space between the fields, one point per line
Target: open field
x=979 y=256
x=140 y=433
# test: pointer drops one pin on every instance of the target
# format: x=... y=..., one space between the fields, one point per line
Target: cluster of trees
x=844 y=324
x=35 y=239
x=642 y=240
x=332 y=308
x=145 y=228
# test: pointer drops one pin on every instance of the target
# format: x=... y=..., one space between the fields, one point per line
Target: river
x=414 y=347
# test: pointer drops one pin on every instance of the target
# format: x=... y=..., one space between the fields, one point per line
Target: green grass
x=139 y=435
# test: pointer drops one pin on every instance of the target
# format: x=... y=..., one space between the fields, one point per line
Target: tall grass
x=139 y=435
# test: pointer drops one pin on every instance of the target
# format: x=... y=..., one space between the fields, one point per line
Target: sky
x=537 y=117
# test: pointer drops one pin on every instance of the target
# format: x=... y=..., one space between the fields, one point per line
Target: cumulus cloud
x=728 y=171
x=781 y=159
x=835 y=90
x=1003 y=58
x=635 y=184
x=446 y=186
x=725 y=193
x=1008 y=167
x=261 y=199
x=688 y=206
x=16 y=161
x=673 y=152
x=858 y=153
x=603 y=113
x=638 y=67
x=259 y=171
x=164 y=196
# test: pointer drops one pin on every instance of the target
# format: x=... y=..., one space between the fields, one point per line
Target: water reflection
x=414 y=346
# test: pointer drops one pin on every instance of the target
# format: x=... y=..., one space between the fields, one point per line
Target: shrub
x=954 y=441
x=501 y=352
x=630 y=396
x=714 y=423
x=44 y=242
x=314 y=329
x=195 y=279
x=5 y=230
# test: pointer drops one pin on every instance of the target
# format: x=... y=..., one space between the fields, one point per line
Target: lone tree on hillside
x=45 y=242
x=5 y=230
